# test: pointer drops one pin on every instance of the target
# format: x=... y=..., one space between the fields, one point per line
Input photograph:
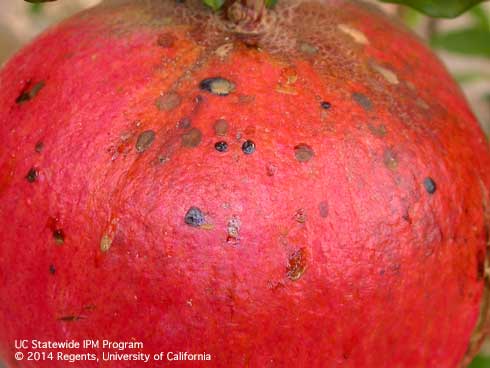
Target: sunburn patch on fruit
x=301 y=186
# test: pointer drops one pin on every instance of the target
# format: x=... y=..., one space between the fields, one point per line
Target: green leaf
x=214 y=4
x=480 y=362
x=480 y=16
x=469 y=41
x=439 y=8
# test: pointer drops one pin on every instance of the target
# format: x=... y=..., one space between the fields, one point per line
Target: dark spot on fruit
x=480 y=265
x=32 y=175
x=168 y=101
x=233 y=228
x=184 y=123
x=363 y=101
x=194 y=217
x=192 y=138
x=166 y=40
x=300 y=216
x=221 y=146
x=39 y=147
x=52 y=269
x=326 y=105
x=29 y=93
x=145 y=140
x=379 y=131
x=430 y=185
x=70 y=318
x=389 y=159
x=323 y=207
x=59 y=236
x=221 y=127
x=296 y=264
x=303 y=152
x=218 y=86
x=248 y=147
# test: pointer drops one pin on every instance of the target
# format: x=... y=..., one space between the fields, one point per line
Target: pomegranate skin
x=312 y=196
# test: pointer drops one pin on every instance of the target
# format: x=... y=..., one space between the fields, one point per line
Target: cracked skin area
x=351 y=229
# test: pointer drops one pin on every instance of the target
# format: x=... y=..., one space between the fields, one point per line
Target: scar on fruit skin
x=59 y=236
x=194 y=217
x=32 y=175
x=297 y=262
x=355 y=34
x=29 y=93
x=217 y=86
x=52 y=269
x=70 y=318
x=145 y=140
x=303 y=152
x=363 y=101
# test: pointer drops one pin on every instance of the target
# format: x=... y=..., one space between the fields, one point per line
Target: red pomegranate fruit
x=298 y=187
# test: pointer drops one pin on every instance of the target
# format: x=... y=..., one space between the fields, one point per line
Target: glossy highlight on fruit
x=309 y=192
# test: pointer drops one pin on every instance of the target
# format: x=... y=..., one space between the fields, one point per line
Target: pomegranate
x=302 y=186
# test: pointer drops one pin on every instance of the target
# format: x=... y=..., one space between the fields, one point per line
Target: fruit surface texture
x=312 y=192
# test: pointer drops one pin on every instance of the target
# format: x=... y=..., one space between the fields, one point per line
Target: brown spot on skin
x=220 y=127
x=52 y=269
x=192 y=138
x=145 y=140
x=379 y=131
x=300 y=216
x=168 y=101
x=217 y=86
x=390 y=160
x=166 y=40
x=59 y=237
x=39 y=147
x=303 y=152
x=323 y=208
x=363 y=101
x=105 y=243
x=32 y=175
x=184 y=123
x=297 y=262
x=480 y=265
x=70 y=318
x=29 y=93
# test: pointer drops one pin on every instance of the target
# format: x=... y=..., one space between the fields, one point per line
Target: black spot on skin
x=363 y=101
x=145 y=140
x=52 y=269
x=480 y=265
x=325 y=105
x=29 y=93
x=221 y=146
x=59 y=236
x=39 y=147
x=217 y=86
x=323 y=208
x=70 y=318
x=248 y=147
x=192 y=138
x=303 y=152
x=430 y=185
x=184 y=123
x=32 y=175
x=194 y=217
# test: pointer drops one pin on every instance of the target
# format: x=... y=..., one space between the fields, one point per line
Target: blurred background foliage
x=462 y=43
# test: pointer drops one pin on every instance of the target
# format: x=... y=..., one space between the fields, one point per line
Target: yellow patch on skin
x=105 y=243
x=286 y=82
x=224 y=50
x=356 y=35
x=389 y=75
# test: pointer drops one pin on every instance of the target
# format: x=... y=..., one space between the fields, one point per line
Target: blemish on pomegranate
x=29 y=93
x=233 y=229
x=32 y=175
x=480 y=265
x=297 y=262
x=307 y=48
x=326 y=105
x=355 y=34
x=70 y=318
x=192 y=138
x=300 y=216
x=223 y=50
x=390 y=159
x=220 y=127
x=221 y=146
x=430 y=185
x=105 y=243
x=323 y=209
x=184 y=123
x=248 y=147
x=303 y=152
x=59 y=236
x=271 y=169
x=166 y=40
x=363 y=101
x=379 y=130
x=194 y=217
x=387 y=74
x=217 y=86
x=145 y=140
x=39 y=147
x=52 y=269
x=168 y=101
